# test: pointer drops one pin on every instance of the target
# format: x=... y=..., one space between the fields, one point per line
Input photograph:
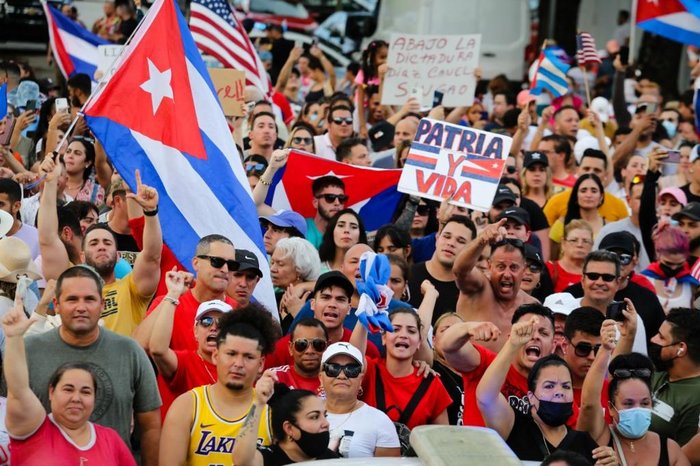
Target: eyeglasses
x=301 y=140
x=583 y=349
x=219 y=262
x=534 y=267
x=584 y=241
x=208 y=321
x=340 y=121
x=351 y=370
x=607 y=277
x=331 y=198
x=302 y=344
x=629 y=373
x=422 y=210
x=255 y=167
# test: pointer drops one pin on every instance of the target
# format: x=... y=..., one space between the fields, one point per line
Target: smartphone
x=298 y=43
x=437 y=98
x=31 y=105
x=62 y=105
x=674 y=156
x=615 y=309
x=625 y=55
x=651 y=107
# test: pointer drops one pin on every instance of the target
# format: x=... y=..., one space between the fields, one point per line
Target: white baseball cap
x=342 y=348
x=214 y=305
x=561 y=303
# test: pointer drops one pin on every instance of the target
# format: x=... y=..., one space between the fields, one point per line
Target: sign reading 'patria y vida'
x=429 y=63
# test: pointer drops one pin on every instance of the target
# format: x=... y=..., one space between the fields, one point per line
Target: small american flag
x=217 y=33
x=586 y=52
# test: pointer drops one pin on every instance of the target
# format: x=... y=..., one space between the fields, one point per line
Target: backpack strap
x=415 y=399
x=381 y=399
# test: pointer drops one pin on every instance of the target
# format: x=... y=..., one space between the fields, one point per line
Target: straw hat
x=16 y=260
x=6 y=222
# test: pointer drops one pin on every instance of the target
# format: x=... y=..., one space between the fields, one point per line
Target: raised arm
x=245 y=452
x=541 y=126
x=457 y=343
x=425 y=312
x=159 y=343
x=103 y=169
x=282 y=78
x=520 y=132
x=24 y=410
x=591 y=418
x=629 y=143
x=469 y=280
x=494 y=407
x=628 y=330
x=277 y=161
x=54 y=257
x=147 y=266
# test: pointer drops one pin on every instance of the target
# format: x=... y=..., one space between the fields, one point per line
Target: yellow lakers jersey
x=212 y=437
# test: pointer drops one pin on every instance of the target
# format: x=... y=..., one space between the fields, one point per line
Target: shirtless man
x=493 y=297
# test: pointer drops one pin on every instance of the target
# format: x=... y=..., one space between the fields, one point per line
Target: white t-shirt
x=324 y=147
x=360 y=432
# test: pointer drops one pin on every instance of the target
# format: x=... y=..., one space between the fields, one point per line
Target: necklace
x=204 y=363
x=544 y=439
x=349 y=415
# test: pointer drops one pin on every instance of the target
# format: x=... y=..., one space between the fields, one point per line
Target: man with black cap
x=283 y=224
x=244 y=280
x=689 y=221
x=633 y=286
x=503 y=199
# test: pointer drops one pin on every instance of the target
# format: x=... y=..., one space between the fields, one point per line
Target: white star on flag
x=158 y=85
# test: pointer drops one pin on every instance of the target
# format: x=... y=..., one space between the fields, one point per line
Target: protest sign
x=229 y=85
x=106 y=56
x=426 y=63
x=454 y=161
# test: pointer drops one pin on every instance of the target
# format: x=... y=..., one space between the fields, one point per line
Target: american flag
x=586 y=52
x=218 y=34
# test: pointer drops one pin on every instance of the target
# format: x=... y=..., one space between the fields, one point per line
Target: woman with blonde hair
x=536 y=178
x=576 y=243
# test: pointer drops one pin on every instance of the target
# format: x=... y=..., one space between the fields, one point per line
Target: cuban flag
x=371 y=192
x=159 y=113
x=475 y=166
x=677 y=20
x=550 y=74
x=74 y=47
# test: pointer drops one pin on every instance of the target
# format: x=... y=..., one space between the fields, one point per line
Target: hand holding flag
x=375 y=295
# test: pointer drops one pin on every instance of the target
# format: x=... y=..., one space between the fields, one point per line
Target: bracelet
x=176 y=302
x=151 y=213
x=265 y=183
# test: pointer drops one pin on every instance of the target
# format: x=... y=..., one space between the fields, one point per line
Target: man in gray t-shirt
x=126 y=384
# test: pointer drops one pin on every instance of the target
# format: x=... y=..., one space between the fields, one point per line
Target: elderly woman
x=294 y=268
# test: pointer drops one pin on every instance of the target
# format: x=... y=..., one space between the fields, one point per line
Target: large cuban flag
x=371 y=192
x=159 y=113
x=678 y=20
x=74 y=47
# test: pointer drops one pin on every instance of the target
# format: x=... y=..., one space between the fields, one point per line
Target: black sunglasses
x=607 y=277
x=516 y=243
x=423 y=209
x=629 y=373
x=340 y=121
x=208 y=321
x=583 y=349
x=301 y=140
x=625 y=259
x=510 y=169
x=302 y=344
x=331 y=198
x=351 y=370
x=219 y=262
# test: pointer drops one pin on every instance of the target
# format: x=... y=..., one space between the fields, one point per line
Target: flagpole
x=582 y=67
x=633 y=32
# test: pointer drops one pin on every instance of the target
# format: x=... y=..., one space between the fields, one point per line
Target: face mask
x=554 y=414
x=313 y=444
x=670 y=128
x=661 y=365
x=634 y=422
x=668 y=271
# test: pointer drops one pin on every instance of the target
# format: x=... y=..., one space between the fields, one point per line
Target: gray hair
x=303 y=254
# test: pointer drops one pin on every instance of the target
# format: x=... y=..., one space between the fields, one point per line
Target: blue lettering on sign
x=460 y=139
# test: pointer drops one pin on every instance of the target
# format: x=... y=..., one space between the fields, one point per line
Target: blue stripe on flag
x=81 y=66
x=70 y=26
x=379 y=210
x=425 y=147
x=679 y=34
x=3 y=100
x=419 y=163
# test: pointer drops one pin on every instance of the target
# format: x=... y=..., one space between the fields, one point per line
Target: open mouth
x=211 y=339
x=331 y=315
x=533 y=351
x=401 y=344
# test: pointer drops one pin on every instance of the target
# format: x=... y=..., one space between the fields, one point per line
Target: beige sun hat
x=16 y=260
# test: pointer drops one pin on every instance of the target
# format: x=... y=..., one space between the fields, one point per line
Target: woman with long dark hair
x=345 y=230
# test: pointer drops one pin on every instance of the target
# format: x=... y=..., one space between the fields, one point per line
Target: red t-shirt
x=281 y=357
x=288 y=375
x=603 y=403
x=49 y=445
x=399 y=390
x=560 y=277
x=192 y=371
x=567 y=182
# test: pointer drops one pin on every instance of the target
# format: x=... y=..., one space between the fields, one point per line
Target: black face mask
x=694 y=243
x=555 y=414
x=661 y=365
x=668 y=271
x=313 y=444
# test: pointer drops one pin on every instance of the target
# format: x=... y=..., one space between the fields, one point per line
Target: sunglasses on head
x=340 y=121
x=629 y=373
x=302 y=344
x=301 y=140
x=516 y=243
x=583 y=349
x=219 y=262
x=351 y=370
x=208 y=321
x=331 y=198
x=422 y=209
x=607 y=277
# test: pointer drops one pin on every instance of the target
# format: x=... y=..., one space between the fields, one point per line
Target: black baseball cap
x=517 y=214
x=618 y=241
x=334 y=278
x=532 y=254
x=247 y=261
x=504 y=193
x=534 y=157
x=691 y=210
x=381 y=135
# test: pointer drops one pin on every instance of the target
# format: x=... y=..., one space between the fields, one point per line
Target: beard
x=105 y=268
x=235 y=387
x=661 y=365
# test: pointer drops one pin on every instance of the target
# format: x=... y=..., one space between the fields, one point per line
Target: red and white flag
x=217 y=33
x=586 y=52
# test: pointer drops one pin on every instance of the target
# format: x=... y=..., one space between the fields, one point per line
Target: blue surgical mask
x=634 y=422
x=670 y=128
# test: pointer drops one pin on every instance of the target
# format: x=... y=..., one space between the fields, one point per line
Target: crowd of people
x=564 y=318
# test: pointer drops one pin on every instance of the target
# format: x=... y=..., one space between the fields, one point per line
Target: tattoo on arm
x=250 y=421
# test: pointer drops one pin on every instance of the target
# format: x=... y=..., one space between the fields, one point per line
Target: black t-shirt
x=528 y=443
x=275 y=456
x=538 y=221
x=645 y=302
x=446 y=302
x=691 y=197
x=454 y=384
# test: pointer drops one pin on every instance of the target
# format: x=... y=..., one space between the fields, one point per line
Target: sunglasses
x=625 y=259
x=340 y=121
x=607 y=277
x=331 y=198
x=301 y=140
x=534 y=267
x=629 y=373
x=351 y=370
x=516 y=243
x=255 y=167
x=208 y=321
x=422 y=210
x=302 y=344
x=510 y=169
x=583 y=349
x=219 y=262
